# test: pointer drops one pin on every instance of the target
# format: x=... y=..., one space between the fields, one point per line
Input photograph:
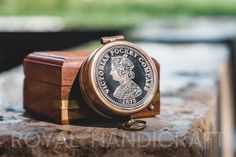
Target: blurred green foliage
x=116 y=13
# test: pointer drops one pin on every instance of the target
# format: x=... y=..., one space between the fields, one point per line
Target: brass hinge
x=65 y=104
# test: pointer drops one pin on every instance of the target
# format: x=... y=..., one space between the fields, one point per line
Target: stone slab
x=187 y=125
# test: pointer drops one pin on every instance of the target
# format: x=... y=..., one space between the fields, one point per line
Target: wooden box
x=52 y=92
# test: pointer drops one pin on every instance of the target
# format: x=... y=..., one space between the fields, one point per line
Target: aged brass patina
x=119 y=79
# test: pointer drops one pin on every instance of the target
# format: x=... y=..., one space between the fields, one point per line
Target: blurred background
x=28 y=25
x=40 y=25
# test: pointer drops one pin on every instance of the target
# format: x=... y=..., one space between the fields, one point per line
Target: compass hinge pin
x=105 y=40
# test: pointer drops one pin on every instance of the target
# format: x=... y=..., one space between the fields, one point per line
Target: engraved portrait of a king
x=121 y=71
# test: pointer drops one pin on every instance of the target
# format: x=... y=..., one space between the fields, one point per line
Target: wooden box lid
x=58 y=68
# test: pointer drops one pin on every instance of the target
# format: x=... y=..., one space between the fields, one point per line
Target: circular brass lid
x=118 y=79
